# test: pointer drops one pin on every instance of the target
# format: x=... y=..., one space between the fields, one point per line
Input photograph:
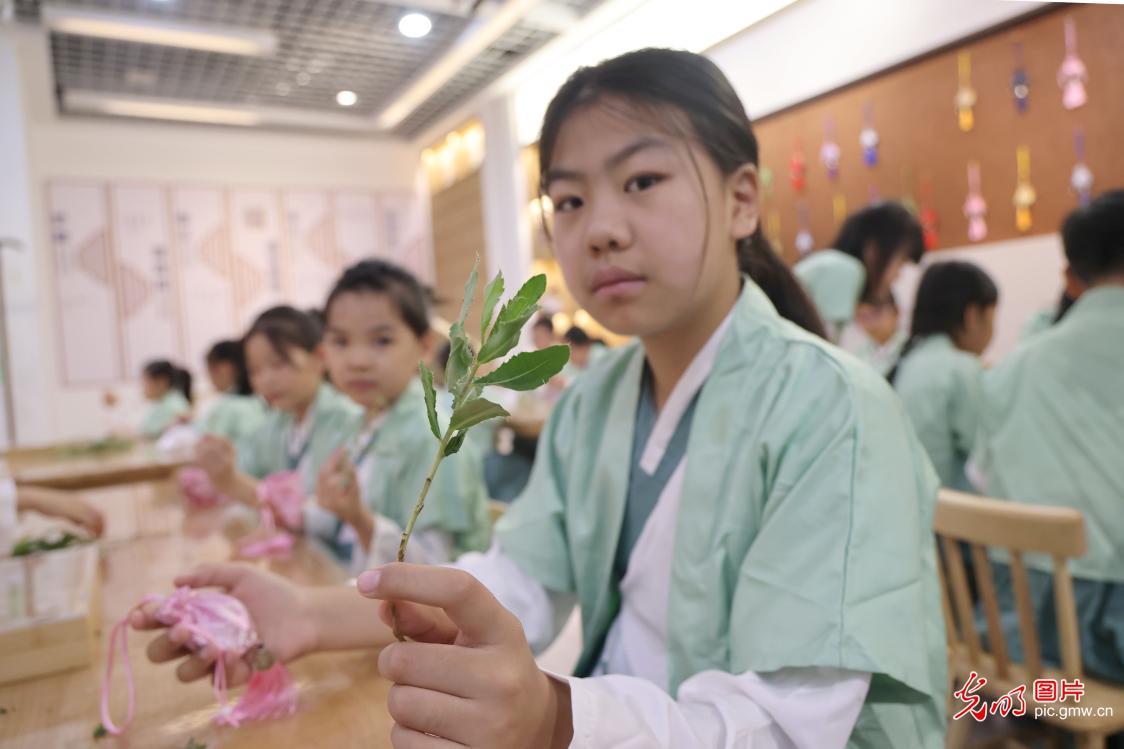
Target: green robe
x=941 y=388
x=1053 y=434
x=335 y=420
x=164 y=413
x=402 y=451
x=234 y=416
x=834 y=280
x=804 y=535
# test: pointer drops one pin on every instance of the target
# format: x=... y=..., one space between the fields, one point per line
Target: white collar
x=681 y=396
x=301 y=430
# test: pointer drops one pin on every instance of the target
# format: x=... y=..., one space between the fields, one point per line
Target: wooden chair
x=1055 y=531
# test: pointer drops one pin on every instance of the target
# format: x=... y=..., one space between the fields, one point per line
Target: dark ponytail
x=945 y=293
x=696 y=90
x=176 y=377
x=758 y=259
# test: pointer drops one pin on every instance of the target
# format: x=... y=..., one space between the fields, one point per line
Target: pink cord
x=209 y=616
x=119 y=632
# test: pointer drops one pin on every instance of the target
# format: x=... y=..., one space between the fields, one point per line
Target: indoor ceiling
x=285 y=62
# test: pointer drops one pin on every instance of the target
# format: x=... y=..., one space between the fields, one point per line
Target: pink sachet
x=280 y=496
x=197 y=489
x=217 y=619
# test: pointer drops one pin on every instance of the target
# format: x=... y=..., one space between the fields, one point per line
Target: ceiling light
x=346 y=98
x=474 y=40
x=414 y=25
x=66 y=19
x=95 y=102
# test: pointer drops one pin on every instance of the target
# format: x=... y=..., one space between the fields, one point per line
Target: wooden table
x=342 y=696
x=53 y=468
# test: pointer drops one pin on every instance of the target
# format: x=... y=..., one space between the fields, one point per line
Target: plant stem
x=406 y=533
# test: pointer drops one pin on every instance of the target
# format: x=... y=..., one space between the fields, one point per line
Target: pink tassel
x=283 y=493
x=197 y=489
x=217 y=619
x=270 y=694
x=281 y=497
x=277 y=546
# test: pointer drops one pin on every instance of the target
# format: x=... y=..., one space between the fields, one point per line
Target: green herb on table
x=100 y=732
x=499 y=334
x=28 y=545
x=193 y=744
x=95 y=448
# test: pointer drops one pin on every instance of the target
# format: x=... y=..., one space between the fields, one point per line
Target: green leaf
x=469 y=292
x=492 y=294
x=455 y=443
x=512 y=318
x=460 y=359
x=529 y=370
x=193 y=744
x=475 y=411
x=505 y=336
x=430 y=398
x=100 y=732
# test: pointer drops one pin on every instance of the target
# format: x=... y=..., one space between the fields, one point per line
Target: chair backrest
x=982 y=523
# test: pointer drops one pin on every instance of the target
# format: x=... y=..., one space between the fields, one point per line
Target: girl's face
x=641 y=246
x=979 y=326
x=370 y=351
x=285 y=385
x=222 y=375
x=892 y=274
x=880 y=321
x=154 y=388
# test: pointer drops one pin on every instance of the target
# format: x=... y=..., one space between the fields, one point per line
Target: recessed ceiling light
x=414 y=25
x=346 y=98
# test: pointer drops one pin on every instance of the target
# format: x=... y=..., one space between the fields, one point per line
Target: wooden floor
x=149 y=540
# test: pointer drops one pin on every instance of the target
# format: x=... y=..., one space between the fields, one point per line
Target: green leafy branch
x=499 y=334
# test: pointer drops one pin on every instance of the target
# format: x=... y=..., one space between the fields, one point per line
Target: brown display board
x=921 y=144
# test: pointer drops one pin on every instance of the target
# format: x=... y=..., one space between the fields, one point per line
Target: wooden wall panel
x=915 y=115
x=458 y=237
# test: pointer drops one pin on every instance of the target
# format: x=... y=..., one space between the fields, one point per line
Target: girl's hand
x=468 y=678
x=281 y=611
x=57 y=504
x=215 y=455
x=337 y=488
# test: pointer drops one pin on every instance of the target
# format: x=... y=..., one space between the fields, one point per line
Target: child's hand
x=469 y=678
x=59 y=504
x=337 y=488
x=279 y=609
x=215 y=455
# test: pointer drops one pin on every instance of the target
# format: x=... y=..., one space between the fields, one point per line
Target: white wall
x=814 y=46
x=57 y=147
x=1027 y=271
